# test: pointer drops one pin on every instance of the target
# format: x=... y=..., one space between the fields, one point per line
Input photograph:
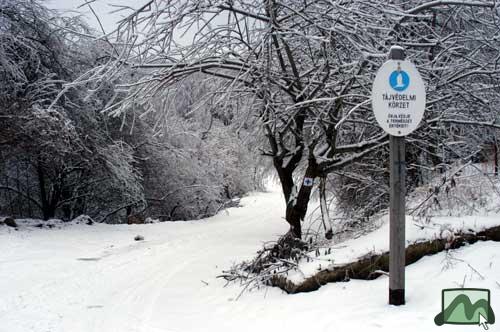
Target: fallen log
x=369 y=268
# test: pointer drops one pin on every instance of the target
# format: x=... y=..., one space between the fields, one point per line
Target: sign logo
x=399 y=80
x=308 y=182
x=465 y=306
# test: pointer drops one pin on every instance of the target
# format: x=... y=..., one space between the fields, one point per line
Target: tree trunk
x=48 y=210
x=495 y=156
x=297 y=206
x=286 y=179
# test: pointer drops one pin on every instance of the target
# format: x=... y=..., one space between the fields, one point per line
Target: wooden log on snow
x=369 y=268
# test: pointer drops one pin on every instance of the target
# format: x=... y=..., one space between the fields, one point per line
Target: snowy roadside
x=377 y=242
x=97 y=278
x=463 y=200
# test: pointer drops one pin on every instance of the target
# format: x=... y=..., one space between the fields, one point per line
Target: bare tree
x=309 y=65
x=57 y=158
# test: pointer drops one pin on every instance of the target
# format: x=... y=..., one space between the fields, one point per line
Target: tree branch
x=22 y=195
x=437 y=3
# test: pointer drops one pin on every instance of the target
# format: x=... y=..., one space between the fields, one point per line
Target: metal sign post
x=398 y=101
x=397 y=211
x=397 y=221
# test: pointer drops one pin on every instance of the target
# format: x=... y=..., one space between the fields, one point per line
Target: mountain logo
x=465 y=306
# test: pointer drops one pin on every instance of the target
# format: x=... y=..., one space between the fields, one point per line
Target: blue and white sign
x=308 y=182
x=398 y=97
x=399 y=80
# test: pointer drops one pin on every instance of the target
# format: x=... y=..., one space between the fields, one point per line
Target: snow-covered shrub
x=463 y=190
x=64 y=154
x=195 y=164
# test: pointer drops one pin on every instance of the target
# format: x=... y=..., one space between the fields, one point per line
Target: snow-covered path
x=97 y=279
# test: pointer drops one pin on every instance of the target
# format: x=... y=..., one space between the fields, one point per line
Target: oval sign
x=398 y=97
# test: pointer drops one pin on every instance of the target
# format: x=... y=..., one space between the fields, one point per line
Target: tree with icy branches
x=309 y=65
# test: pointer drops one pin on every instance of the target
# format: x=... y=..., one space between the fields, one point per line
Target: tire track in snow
x=138 y=297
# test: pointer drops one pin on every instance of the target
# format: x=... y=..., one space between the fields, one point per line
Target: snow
x=97 y=278
x=470 y=206
x=377 y=242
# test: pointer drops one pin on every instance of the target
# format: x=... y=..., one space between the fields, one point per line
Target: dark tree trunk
x=286 y=179
x=296 y=208
x=48 y=209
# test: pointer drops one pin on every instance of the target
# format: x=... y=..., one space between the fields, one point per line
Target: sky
x=109 y=17
x=103 y=8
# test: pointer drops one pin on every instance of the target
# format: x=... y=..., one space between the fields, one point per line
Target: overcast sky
x=102 y=8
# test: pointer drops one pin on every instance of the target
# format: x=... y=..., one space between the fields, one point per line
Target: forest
x=64 y=155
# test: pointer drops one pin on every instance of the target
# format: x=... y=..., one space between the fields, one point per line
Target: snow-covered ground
x=97 y=278
x=376 y=242
x=470 y=205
